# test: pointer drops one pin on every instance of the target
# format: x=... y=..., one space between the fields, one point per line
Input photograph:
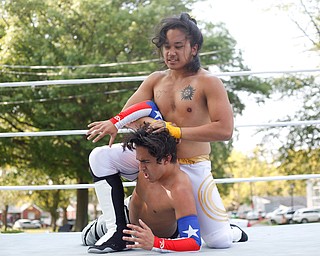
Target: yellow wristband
x=173 y=130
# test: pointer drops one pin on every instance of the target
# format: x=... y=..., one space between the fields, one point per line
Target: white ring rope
x=83 y=132
x=114 y=64
x=141 y=78
x=75 y=81
x=132 y=183
x=50 y=133
x=278 y=124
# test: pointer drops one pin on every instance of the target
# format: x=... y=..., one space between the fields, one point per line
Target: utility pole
x=291 y=193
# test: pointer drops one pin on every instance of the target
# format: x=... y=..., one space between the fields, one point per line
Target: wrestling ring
x=295 y=239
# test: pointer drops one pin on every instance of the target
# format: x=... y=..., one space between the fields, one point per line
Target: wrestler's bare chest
x=154 y=199
x=181 y=102
x=151 y=203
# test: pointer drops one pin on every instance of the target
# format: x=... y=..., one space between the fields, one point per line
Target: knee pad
x=100 y=164
x=93 y=157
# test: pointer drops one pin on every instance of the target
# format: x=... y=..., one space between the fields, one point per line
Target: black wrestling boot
x=244 y=236
x=113 y=244
x=109 y=191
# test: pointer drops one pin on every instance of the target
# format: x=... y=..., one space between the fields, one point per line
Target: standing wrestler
x=162 y=204
x=197 y=103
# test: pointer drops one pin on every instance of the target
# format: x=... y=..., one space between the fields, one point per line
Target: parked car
x=282 y=217
x=306 y=215
x=288 y=216
x=37 y=223
x=25 y=224
x=270 y=215
x=255 y=215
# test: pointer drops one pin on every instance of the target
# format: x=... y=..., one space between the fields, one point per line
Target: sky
x=269 y=40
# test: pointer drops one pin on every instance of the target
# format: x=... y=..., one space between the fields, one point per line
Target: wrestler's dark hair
x=159 y=145
x=187 y=25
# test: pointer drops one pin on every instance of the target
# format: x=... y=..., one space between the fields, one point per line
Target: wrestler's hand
x=101 y=128
x=141 y=236
x=159 y=126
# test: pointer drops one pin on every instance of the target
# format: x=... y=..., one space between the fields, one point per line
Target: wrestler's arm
x=221 y=126
x=188 y=226
x=97 y=130
x=142 y=109
x=143 y=237
x=144 y=92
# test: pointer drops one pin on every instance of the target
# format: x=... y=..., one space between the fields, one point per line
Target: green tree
x=242 y=166
x=44 y=40
x=218 y=39
x=68 y=33
x=8 y=176
x=306 y=15
x=299 y=150
x=50 y=200
x=300 y=145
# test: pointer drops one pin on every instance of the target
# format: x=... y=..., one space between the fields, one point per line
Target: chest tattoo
x=187 y=93
x=159 y=93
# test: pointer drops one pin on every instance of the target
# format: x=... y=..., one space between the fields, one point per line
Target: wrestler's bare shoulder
x=206 y=78
x=153 y=79
x=182 y=183
x=158 y=75
x=148 y=85
x=203 y=80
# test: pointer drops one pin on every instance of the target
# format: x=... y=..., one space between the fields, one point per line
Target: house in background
x=31 y=212
x=26 y=211
x=270 y=203
x=13 y=214
x=313 y=193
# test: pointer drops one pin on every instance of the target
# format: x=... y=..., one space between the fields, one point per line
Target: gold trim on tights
x=193 y=160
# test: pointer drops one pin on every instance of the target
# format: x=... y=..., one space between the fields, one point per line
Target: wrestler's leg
x=107 y=164
x=97 y=228
x=216 y=230
x=213 y=218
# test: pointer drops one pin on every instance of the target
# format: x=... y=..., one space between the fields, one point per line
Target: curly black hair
x=189 y=26
x=159 y=145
